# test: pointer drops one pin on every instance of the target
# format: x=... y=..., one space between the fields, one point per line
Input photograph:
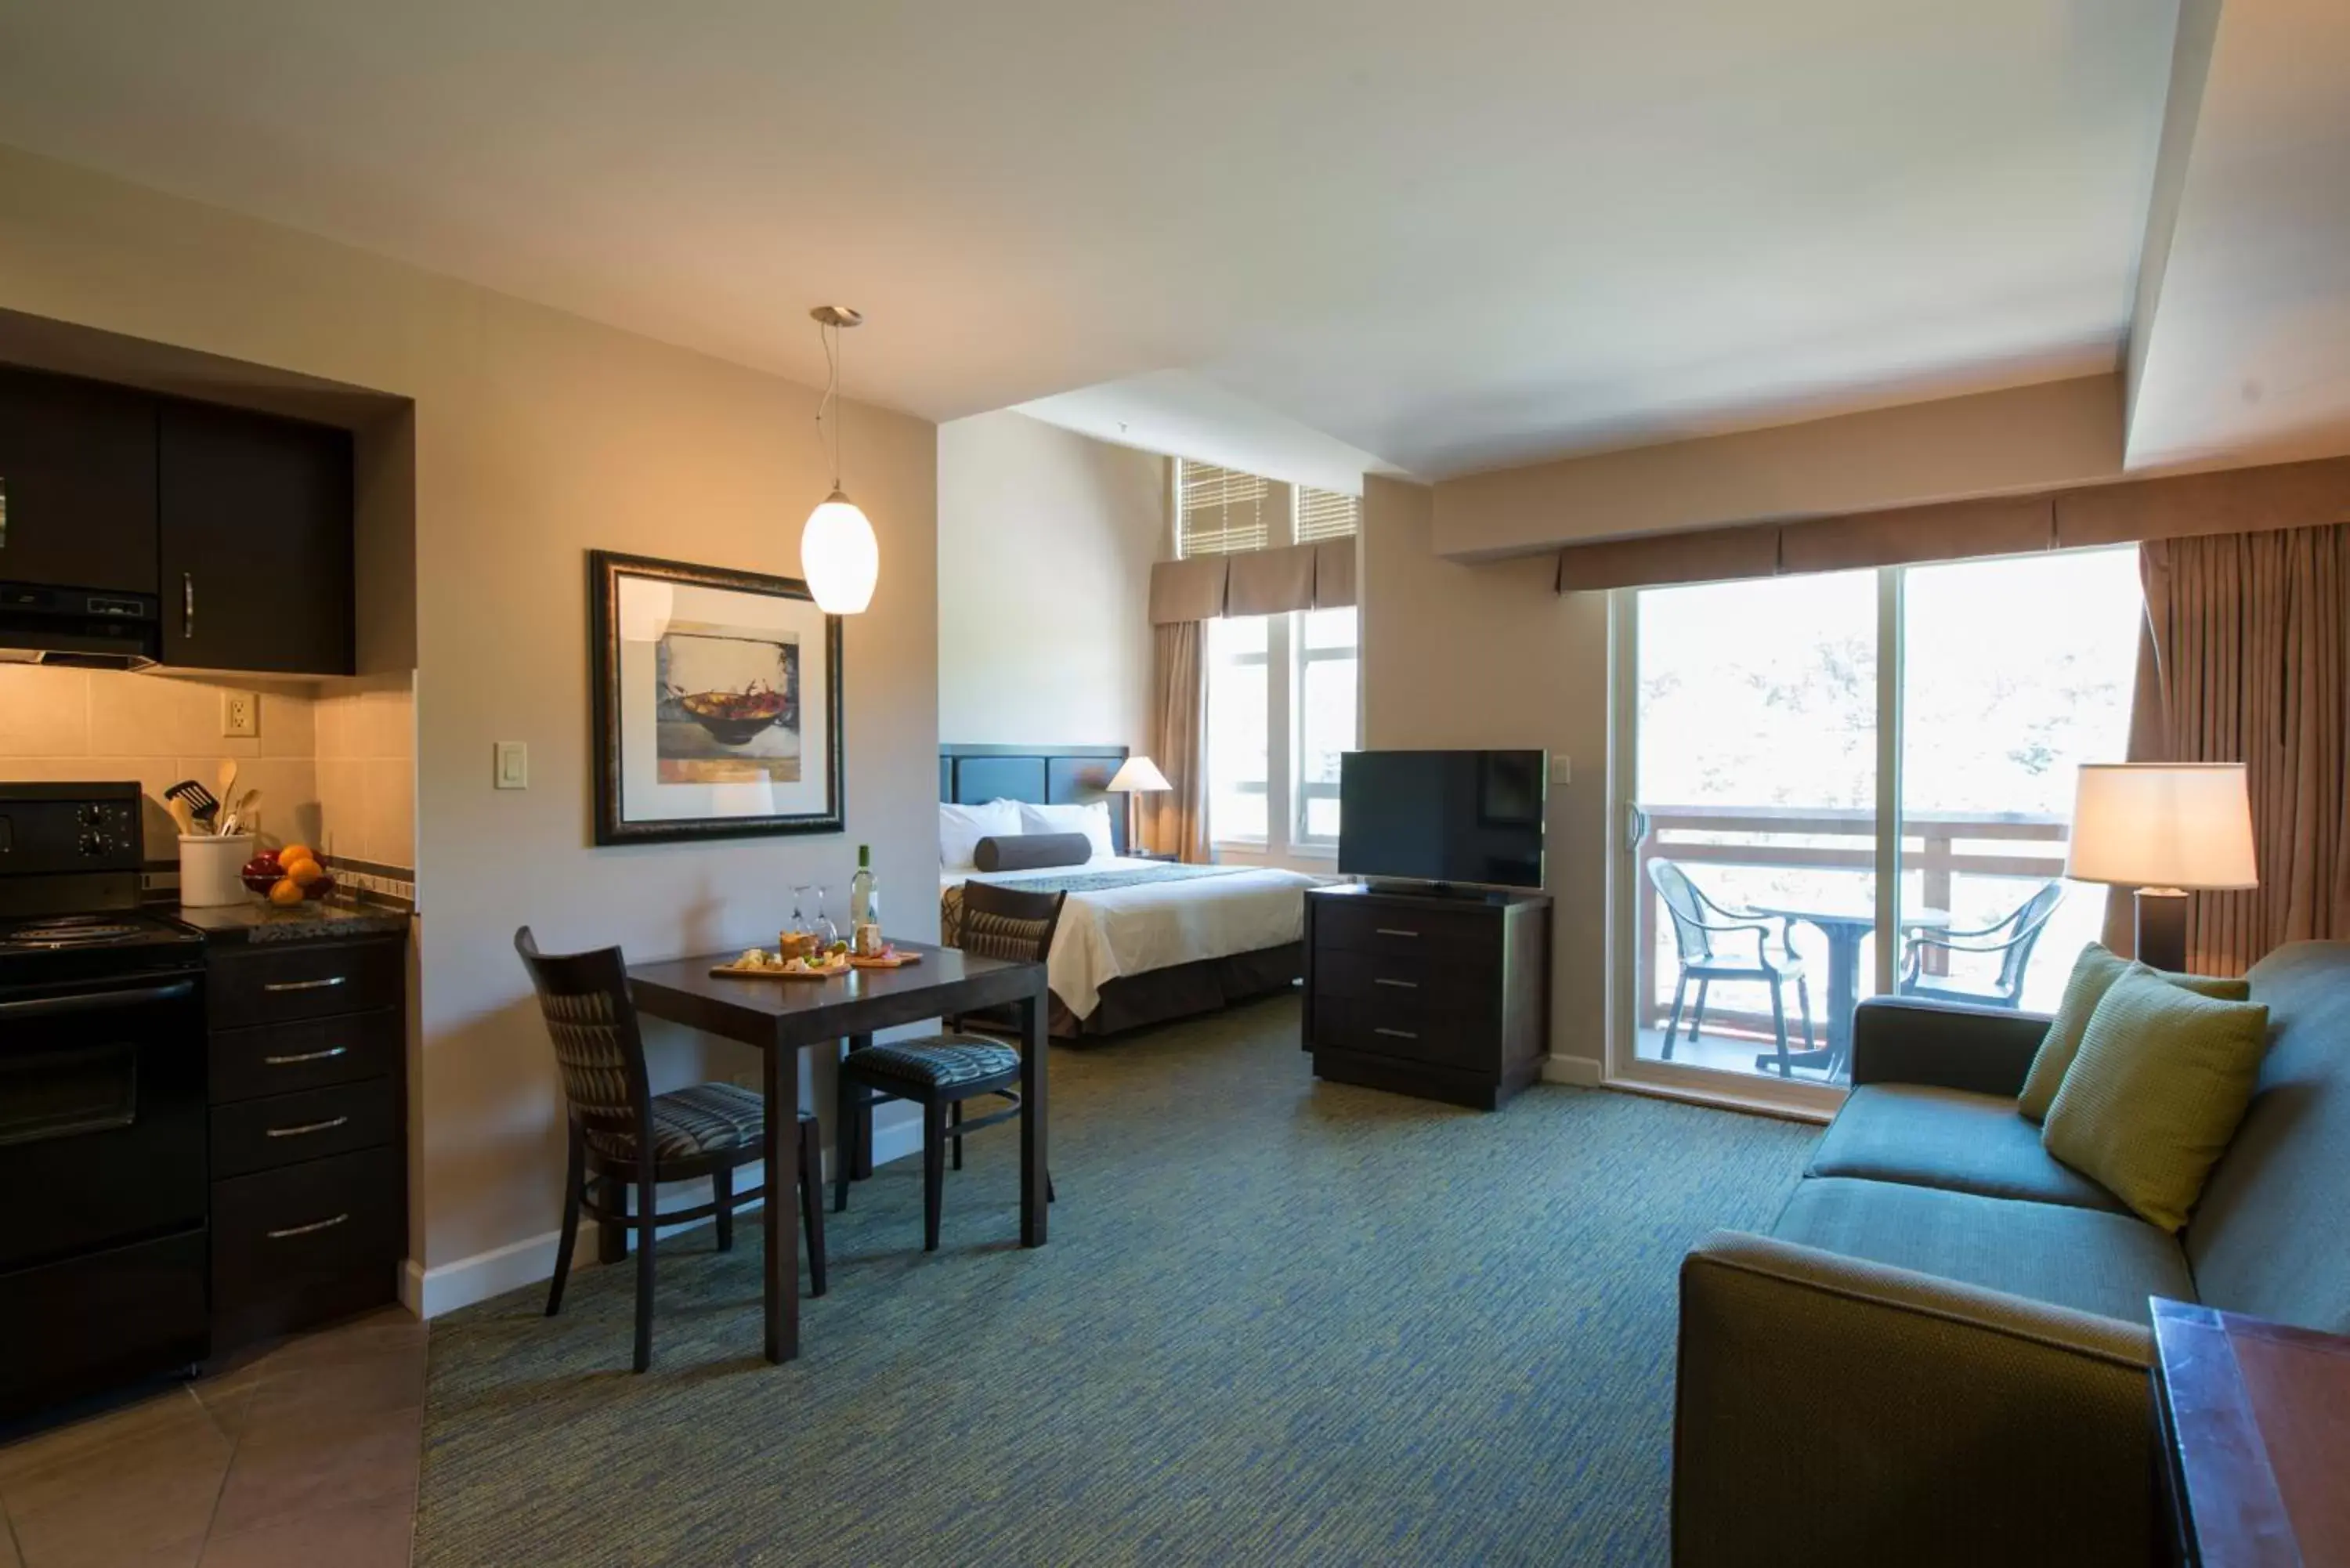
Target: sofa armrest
x=1950 y=1045
x=1831 y=1411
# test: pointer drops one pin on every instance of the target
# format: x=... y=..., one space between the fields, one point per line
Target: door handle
x=1398 y=984
x=188 y=604
x=331 y=1050
x=276 y=985
x=1393 y=931
x=327 y=1125
x=90 y=1002
x=313 y=1225
x=1396 y=1034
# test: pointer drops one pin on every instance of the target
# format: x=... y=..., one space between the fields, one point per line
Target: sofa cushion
x=1926 y=1137
x=2093 y=973
x=2267 y=1237
x=2086 y=1259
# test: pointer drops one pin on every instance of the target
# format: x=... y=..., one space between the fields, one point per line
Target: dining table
x=782 y=1018
x=1845 y=924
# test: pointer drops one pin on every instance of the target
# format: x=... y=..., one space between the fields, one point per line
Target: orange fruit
x=303 y=872
x=293 y=852
x=287 y=892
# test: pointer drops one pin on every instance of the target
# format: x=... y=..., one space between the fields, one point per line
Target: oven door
x=101 y=1113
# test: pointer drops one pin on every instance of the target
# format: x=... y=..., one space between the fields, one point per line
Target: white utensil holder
x=211 y=870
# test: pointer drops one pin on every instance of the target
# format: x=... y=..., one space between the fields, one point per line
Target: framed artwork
x=717 y=703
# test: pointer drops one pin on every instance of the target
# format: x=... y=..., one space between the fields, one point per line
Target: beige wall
x=2025 y=439
x=537 y=436
x=1460 y=656
x=1046 y=542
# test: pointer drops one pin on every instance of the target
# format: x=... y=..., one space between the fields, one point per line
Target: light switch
x=1560 y=770
x=513 y=764
x=241 y=714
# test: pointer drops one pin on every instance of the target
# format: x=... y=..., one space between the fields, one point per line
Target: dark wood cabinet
x=308 y=1147
x=1443 y=996
x=77 y=483
x=255 y=519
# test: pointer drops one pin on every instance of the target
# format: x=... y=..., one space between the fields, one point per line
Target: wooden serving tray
x=733 y=971
x=901 y=962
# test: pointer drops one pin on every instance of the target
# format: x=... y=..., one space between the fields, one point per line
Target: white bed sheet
x=1116 y=931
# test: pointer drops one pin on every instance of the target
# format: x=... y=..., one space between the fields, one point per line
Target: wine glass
x=798 y=930
x=819 y=927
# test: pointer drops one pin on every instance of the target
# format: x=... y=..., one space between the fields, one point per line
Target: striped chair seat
x=697 y=1120
x=939 y=1062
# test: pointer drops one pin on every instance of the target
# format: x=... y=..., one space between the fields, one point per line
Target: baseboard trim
x=444 y=1288
x=1580 y=1071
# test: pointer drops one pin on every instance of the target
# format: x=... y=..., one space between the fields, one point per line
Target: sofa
x=1938 y=1354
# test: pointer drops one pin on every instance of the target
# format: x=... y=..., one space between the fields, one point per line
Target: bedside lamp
x=1136 y=776
x=2163 y=828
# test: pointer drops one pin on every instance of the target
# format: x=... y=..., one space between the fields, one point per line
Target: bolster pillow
x=1031 y=851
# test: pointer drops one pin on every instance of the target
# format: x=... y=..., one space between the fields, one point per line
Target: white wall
x=1045 y=543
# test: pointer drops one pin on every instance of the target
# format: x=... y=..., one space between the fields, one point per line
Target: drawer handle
x=1398 y=984
x=1396 y=1034
x=313 y=1225
x=300 y=1056
x=1393 y=931
x=327 y=1125
x=306 y=984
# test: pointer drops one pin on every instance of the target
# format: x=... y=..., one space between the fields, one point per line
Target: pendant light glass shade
x=839 y=556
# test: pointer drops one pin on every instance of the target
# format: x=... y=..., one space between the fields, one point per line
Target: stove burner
x=68 y=931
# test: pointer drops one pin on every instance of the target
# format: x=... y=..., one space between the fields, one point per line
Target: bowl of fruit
x=287 y=877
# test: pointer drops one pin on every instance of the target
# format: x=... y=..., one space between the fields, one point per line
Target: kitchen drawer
x=306 y=1241
x=1452 y=1037
x=1407 y=979
x=1418 y=929
x=285 y=983
x=285 y=1057
x=286 y=1129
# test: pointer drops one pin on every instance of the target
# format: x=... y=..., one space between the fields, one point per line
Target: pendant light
x=838 y=554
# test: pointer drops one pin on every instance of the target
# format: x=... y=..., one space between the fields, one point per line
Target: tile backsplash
x=333 y=759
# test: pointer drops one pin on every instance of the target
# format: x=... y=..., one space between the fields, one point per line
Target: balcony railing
x=1702 y=836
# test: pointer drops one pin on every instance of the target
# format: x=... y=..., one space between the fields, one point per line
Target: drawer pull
x=1393 y=931
x=1396 y=1034
x=313 y=1225
x=327 y=1125
x=1398 y=984
x=332 y=979
x=301 y=1056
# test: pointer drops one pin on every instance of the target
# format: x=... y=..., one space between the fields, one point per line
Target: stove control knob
x=91 y=817
x=94 y=843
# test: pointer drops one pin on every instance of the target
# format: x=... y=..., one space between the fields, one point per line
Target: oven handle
x=92 y=1000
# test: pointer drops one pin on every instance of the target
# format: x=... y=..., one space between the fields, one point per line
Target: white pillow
x=960 y=827
x=1091 y=819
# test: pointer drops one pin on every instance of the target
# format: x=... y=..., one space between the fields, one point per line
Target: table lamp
x=2163 y=828
x=1136 y=776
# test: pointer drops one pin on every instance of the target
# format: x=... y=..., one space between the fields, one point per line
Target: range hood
x=81 y=628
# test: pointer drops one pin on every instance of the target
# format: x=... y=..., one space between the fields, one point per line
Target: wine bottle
x=864 y=907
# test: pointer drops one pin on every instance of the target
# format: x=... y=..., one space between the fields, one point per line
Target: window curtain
x=2250 y=641
x=1179 y=817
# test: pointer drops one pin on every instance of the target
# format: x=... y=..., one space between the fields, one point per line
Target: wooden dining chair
x=708 y=1129
x=941 y=1072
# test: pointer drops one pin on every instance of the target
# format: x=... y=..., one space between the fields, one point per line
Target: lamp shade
x=1138 y=775
x=2163 y=825
x=839 y=556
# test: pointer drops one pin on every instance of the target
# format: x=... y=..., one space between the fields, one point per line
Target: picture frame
x=717 y=703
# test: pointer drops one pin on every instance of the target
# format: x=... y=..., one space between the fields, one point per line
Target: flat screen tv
x=1443 y=816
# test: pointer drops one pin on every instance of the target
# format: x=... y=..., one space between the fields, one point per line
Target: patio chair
x=1695 y=936
x=2013 y=938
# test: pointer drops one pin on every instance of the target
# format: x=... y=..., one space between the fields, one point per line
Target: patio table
x=1845 y=925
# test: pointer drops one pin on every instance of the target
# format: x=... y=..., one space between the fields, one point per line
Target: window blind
x=1327 y=514
x=1222 y=511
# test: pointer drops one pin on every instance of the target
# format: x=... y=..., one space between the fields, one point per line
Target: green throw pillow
x=2093 y=973
x=2154 y=1093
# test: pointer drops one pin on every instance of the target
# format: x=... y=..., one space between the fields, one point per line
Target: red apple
x=261 y=871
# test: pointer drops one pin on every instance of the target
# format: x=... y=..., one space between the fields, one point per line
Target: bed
x=1141 y=941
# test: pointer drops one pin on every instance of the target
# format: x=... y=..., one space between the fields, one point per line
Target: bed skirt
x=1183 y=991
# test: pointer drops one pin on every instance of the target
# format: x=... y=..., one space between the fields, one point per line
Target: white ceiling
x=1450 y=235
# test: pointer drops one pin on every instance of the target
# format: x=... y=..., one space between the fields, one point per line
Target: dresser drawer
x=1451 y=1037
x=326 y=1229
x=286 y=1129
x=277 y=1060
x=286 y=985
x=1407 y=930
x=1407 y=979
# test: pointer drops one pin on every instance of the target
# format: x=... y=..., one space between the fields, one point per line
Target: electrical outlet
x=241 y=714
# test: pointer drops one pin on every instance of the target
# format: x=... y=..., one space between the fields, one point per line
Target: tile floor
x=306 y=1453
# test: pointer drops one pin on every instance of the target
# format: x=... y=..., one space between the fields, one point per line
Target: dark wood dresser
x=1441 y=995
x=308 y=1082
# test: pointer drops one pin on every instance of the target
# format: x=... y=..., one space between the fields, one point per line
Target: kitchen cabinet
x=77 y=464
x=253 y=515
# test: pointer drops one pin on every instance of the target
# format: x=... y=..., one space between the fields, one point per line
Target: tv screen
x=1443 y=816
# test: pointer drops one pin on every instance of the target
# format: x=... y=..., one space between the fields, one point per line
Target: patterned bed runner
x=951 y=898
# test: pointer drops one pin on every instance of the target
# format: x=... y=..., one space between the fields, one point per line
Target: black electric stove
x=102 y=1118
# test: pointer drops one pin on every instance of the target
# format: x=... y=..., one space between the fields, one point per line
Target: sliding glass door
x=1833 y=785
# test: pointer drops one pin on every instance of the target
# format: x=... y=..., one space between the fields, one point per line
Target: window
x=1239 y=722
x=1327 y=514
x=1324 y=640
x=1223 y=511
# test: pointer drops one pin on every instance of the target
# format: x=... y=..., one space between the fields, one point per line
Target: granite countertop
x=326 y=920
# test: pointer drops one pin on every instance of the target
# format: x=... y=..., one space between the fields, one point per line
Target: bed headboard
x=1045 y=776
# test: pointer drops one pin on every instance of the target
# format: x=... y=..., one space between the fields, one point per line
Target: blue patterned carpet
x=1280 y=1321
